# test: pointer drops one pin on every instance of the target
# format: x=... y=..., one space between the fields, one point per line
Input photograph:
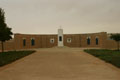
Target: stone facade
x=91 y=40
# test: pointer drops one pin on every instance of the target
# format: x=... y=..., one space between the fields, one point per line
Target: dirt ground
x=59 y=64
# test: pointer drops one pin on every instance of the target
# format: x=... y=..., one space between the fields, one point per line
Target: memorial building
x=89 y=40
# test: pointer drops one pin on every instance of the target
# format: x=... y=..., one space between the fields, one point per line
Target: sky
x=75 y=16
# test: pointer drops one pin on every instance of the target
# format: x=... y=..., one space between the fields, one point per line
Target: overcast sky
x=75 y=16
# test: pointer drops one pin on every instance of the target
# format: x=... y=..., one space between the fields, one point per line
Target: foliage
x=5 y=31
x=116 y=37
x=110 y=56
x=11 y=56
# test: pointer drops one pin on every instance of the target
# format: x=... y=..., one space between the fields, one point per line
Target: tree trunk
x=2 y=44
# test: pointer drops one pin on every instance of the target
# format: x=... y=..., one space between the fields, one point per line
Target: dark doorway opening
x=60 y=38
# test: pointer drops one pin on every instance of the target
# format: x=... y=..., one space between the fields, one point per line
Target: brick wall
x=8 y=45
x=80 y=40
x=43 y=41
x=75 y=40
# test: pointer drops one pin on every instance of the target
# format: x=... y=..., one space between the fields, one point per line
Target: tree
x=5 y=31
x=116 y=37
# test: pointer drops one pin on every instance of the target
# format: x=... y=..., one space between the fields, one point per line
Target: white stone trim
x=52 y=40
x=60 y=34
x=96 y=37
x=69 y=40
x=89 y=37
x=24 y=38
x=32 y=38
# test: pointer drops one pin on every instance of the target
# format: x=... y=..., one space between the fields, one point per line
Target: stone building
x=90 y=40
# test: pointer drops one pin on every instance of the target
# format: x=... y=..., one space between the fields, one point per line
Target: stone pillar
x=60 y=38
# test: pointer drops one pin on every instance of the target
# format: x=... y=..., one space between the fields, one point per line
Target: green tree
x=116 y=37
x=5 y=31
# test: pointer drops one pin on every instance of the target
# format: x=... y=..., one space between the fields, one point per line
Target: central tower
x=60 y=37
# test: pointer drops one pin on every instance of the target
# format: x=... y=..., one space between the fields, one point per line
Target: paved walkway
x=59 y=64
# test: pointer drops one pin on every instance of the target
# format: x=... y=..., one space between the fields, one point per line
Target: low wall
x=8 y=45
x=111 y=44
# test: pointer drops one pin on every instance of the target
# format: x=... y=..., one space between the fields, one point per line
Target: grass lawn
x=11 y=56
x=110 y=56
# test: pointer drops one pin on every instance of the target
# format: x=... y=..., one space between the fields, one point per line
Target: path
x=59 y=64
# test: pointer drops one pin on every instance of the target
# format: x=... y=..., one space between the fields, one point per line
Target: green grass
x=110 y=56
x=11 y=56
